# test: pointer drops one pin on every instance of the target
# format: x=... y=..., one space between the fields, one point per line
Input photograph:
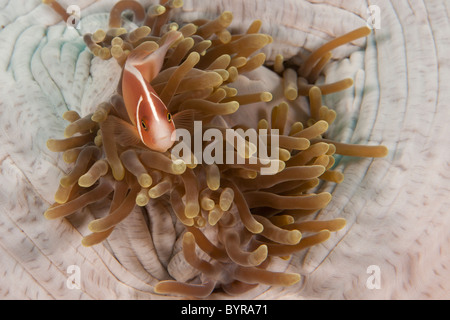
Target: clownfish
x=147 y=112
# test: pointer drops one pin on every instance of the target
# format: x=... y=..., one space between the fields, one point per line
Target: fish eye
x=169 y=117
x=144 y=124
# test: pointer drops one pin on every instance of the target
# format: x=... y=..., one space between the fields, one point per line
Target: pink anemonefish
x=145 y=109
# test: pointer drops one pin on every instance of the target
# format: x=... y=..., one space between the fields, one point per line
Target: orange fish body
x=145 y=109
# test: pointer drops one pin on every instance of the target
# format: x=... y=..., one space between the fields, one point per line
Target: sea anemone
x=395 y=207
x=236 y=225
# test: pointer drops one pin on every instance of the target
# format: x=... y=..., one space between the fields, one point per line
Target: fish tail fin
x=148 y=58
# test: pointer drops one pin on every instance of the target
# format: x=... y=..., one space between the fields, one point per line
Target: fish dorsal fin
x=185 y=119
x=149 y=59
x=124 y=133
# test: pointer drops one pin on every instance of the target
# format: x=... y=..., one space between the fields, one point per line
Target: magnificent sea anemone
x=241 y=220
x=213 y=228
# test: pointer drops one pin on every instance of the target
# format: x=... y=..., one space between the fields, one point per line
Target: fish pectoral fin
x=141 y=55
x=124 y=133
x=128 y=136
x=185 y=119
